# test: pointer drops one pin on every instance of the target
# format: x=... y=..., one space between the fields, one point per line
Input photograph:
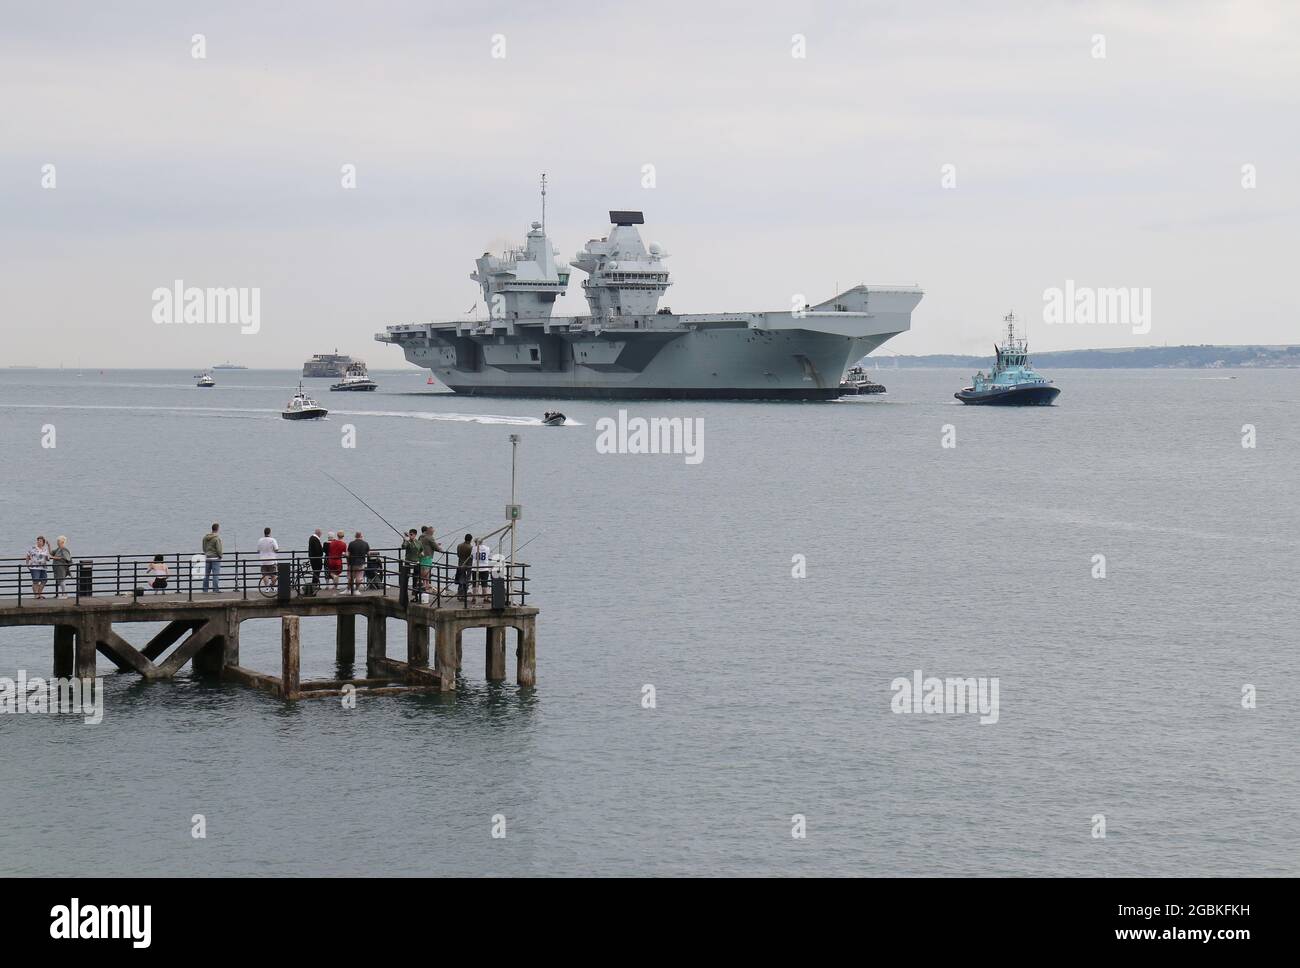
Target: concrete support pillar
x=209 y=659
x=65 y=650
x=87 y=640
x=526 y=654
x=446 y=634
x=496 y=654
x=346 y=639
x=376 y=640
x=290 y=675
x=417 y=644
x=230 y=647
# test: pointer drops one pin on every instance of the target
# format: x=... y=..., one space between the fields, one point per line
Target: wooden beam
x=526 y=654
x=290 y=657
x=248 y=677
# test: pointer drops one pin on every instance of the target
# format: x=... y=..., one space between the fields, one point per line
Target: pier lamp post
x=513 y=510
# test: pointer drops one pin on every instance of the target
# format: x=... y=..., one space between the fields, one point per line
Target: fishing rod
x=399 y=534
x=453 y=531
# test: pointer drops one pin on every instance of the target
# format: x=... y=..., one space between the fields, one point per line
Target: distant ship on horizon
x=333 y=365
x=230 y=366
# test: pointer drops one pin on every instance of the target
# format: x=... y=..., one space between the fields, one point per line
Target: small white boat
x=553 y=418
x=206 y=380
x=302 y=407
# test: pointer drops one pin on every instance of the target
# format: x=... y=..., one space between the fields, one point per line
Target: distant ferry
x=230 y=366
x=1012 y=382
x=333 y=365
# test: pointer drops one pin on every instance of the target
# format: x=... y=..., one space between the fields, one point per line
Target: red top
x=334 y=551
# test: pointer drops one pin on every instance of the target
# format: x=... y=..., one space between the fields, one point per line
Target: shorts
x=482 y=577
x=426 y=561
x=38 y=574
x=336 y=568
x=160 y=583
x=268 y=569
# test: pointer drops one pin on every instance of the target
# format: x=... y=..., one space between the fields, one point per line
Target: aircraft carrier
x=629 y=348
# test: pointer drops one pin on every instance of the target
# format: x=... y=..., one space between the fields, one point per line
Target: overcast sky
x=775 y=175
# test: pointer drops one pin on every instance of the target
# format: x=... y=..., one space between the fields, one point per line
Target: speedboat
x=355 y=377
x=856 y=381
x=1012 y=382
x=206 y=380
x=553 y=418
x=302 y=407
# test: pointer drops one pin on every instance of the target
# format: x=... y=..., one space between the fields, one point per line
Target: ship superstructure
x=629 y=347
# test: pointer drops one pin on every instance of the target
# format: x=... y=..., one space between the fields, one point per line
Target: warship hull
x=747 y=356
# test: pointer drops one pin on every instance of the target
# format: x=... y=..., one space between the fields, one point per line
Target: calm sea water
x=1119 y=696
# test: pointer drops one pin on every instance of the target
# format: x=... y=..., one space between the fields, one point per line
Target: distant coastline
x=1207 y=357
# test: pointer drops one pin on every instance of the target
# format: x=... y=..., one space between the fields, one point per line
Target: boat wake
x=492 y=419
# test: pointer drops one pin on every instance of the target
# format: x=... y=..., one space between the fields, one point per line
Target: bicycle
x=300 y=581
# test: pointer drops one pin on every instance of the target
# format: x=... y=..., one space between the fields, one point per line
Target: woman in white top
x=158 y=572
x=38 y=563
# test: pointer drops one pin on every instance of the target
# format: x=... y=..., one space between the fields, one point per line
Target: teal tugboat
x=1012 y=382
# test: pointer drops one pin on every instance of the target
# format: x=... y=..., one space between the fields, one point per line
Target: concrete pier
x=203 y=631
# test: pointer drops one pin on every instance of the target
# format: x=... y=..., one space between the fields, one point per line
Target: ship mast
x=543 y=203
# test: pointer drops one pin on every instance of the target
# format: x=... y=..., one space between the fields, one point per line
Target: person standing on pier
x=268 y=552
x=38 y=563
x=212 y=558
x=316 y=557
x=411 y=555
x=464 y=562
x=358 y=552
x=482 y=566
x=335 y=548
x=428 y=548
x=62 y=560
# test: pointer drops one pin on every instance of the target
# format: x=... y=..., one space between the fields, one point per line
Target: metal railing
x=244 y=574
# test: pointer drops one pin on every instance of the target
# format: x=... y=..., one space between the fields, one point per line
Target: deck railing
x=245 y=574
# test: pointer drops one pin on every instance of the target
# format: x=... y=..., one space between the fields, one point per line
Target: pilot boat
x=355 y=377
x=206 y=380
x=302 y=407
x=1012 y=382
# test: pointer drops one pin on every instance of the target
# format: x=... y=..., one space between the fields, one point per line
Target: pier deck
x=202 y=628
